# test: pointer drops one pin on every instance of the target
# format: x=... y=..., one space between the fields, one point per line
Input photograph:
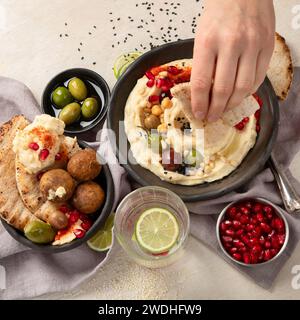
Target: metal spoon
x=290 y=198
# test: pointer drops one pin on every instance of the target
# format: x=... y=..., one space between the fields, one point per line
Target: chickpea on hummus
x=166 y=139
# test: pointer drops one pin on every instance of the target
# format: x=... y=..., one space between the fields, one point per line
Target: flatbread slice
x=12 y=208
x=280 y=70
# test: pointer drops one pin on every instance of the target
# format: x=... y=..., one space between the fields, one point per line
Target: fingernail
x=199 y=115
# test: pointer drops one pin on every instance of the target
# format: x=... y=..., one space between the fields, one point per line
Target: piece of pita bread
x=12 y=208
x=182 y=92
x=280 y=70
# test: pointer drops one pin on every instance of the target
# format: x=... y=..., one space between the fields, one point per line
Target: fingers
x=201 y=80
x=263 y=62
x=245 y=78
x=223 y=83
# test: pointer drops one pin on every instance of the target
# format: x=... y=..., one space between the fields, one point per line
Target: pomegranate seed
x=83 y=217
x=74 y=217
x=149 y=75
x=233 y=250
x=229 y=232
x=278 y=224
x=265 y=227
x=257 y=208
x=238 y=216
x=268 y=209
x=173 y=70
x=246 y=120
x=244 y=219
x=64 y=209
x=247 y=258
x=232 y=212
x=257 y=114
x=281 y=239
x=258 y=99
x=79 y=233
x=250 y=227
x=86 y=225
x=226 y=239
x=39 y=175
x=242 y=249
x=260 y=217
x=271 y=234
x=239 y=232
x=58 y=157
x=274 y=252
x=257 y=128
x=256 y=249
x=236 y=224
x=150 y=83
x=153 y=98
x=253 y=242
x=253 y=258
x=245 y=239
x=227 y=245
x=275 y=243
x=267 y=244
x=240 y=126
x=245 y=210
x=262 y=240
x=267 y=255
x=237 y=256
x=33 y=146
x=257 y=232
x=238 y=243
x=44 y=154
x=253 y=221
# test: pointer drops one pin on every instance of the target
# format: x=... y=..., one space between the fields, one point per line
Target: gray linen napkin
x=30 y=274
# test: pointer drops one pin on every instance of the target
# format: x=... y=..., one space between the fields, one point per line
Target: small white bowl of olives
x=79 y=97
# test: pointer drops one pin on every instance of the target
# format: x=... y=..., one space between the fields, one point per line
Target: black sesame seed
x=94 y=63
x=66 y=35
x=60 y=35
x=66 y=24
x=82 y=58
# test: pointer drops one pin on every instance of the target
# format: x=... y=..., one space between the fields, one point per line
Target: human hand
x=233 y=47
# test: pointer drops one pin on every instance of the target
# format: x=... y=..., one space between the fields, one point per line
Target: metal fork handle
x=290 y=198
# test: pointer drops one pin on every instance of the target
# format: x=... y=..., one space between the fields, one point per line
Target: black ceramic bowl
x=106 y=182
x=96 y=85
x=253 y=162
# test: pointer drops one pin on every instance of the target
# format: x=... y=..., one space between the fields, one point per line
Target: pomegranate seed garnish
x=173 y=70
x=160 y=82
x=257 y=114
x=260 y=217
x=244 y=219
x=246 y=120
x=149 y=75
x=236 y=224
x=265 y=227
x=86 y=225
x=253 y=258
x=274 y=252
x=153 y=98
x=227 y=239
x=44 y=154
x=229 y=232
x=281 y=239
x=232 y=212
x=267 y=244
x=83 y=217
x=58 y=157
x=74 y=217
x=267 y=255
x=239 y=232
x=150 y=83
x=257 y=208
x=245 y=210
x=238 y=243
x=240 y=126
x=256 y=249
x=257 y=128
x=64 y=209
x=233 y=250
x=33 y=146
x=79 y=233
x=247 y=258
x=245 y=239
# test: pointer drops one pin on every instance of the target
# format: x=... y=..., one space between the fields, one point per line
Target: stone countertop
x=41 y=38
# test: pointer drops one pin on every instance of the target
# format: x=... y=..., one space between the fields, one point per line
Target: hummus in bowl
x=166 y=139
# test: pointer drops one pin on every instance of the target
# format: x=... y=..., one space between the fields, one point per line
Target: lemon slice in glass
x=157 y=230
x=102 y=240
x=124 y=61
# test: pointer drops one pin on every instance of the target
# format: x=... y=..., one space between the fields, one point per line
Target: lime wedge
x=157 y=230
x=102 y=240
x=124 y=61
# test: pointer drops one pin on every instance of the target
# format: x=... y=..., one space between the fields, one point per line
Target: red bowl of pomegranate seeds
x=252 y=232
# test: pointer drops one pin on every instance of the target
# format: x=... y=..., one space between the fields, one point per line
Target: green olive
x=89 y=108
x=70 y=113
x=61 y=96
x=78 y=89
x=39 y=232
